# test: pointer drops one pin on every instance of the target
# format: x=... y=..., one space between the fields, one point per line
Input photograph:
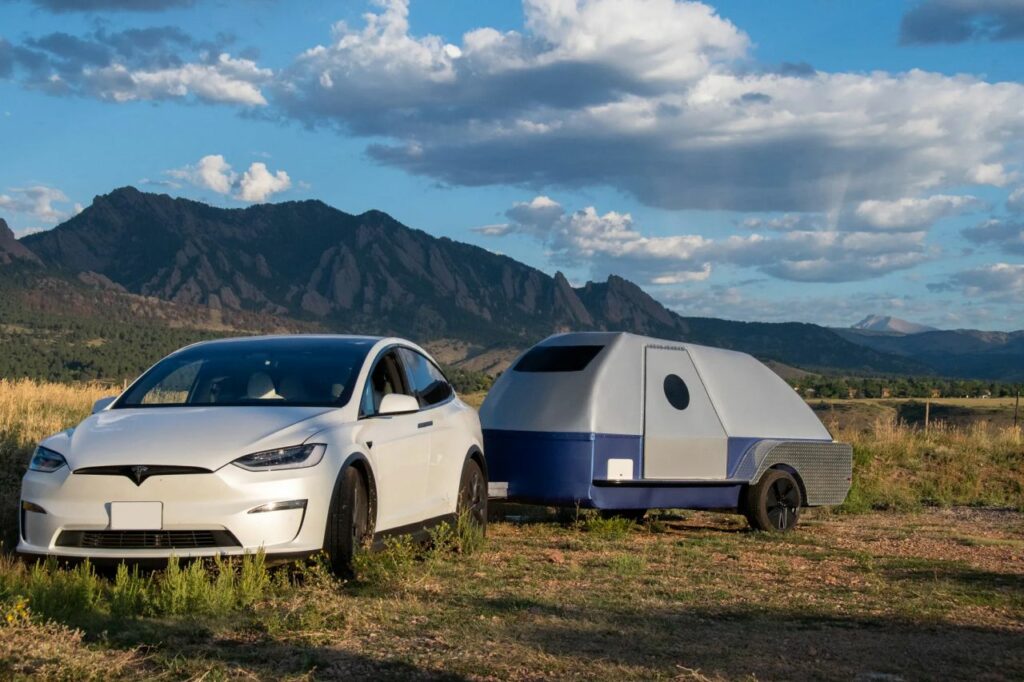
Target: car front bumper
x=197 y=509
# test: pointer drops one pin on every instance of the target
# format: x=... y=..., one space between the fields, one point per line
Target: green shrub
x=391 y=567
x=131 y=593
x=69 y=595
x=613 y=528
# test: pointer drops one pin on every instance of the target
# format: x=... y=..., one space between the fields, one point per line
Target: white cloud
x=989 y=174
x=611 y=243
x=36 y=201
x=654 y=97
x=224 y=80
x=912 y=213
x=214 y=173
x=257 y=183
x=999 y=281
x=1015 y=202
x=135 y=64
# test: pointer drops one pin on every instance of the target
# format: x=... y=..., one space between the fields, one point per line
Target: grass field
x=919 y=576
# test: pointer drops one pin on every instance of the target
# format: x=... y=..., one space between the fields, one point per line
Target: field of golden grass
x=920 y=575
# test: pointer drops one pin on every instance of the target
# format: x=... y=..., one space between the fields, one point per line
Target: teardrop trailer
x=625 y=423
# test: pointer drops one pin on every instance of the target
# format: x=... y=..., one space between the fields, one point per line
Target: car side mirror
x=102 y=404
x=397 y=403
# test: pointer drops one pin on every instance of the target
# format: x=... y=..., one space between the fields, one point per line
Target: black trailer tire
x=348 y=521
x=473 y=495
x=774 y=502
x=635 y=515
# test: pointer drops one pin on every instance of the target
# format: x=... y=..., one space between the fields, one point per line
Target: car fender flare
x=362 y=463
x=475 y=453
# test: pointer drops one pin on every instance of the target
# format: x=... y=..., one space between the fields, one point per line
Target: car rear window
x=557 y=359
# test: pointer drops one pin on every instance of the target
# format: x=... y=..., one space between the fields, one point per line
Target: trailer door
x=683 y=436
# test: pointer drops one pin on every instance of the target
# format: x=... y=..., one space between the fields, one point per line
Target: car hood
x=207 y=437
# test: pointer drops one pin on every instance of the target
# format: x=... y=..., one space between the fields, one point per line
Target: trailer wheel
x=635 y=515
x=773 y=503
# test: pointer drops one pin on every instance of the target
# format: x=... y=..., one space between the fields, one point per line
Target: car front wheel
x=348 y=521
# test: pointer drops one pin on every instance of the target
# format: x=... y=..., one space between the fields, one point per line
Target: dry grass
x=897 y=466
x=30 y=411
x=688 y=596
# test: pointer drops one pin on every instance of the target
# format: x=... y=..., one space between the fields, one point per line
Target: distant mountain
x=306 y=265
x=965 y=353
x=890 y=325
x=11 y=250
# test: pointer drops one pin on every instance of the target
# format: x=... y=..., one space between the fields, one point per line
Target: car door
x=399 y=445
x=446 y=442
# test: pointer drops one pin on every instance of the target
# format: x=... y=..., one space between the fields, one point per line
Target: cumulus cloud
x=653 y=97
x=214 y=173
x=135 y=64
x=990 y=174
x=611 y=243
x=912 y=213
x=64 y=6
x=958 y=21
x=1000 y=281
x=1005 y=234
x=36 y=201
x=258 y=183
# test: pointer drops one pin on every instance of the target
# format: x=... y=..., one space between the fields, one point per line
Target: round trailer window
x=676 y=392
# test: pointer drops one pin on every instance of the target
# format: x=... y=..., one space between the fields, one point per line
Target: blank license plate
x=136 y=515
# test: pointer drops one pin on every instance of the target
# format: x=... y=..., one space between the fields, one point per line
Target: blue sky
x=772 y=161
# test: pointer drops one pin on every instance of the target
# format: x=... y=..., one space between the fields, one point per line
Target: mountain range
x=304 y=265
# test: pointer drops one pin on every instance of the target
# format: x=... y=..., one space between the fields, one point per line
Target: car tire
x=473 y=495
x=634 y=515
x=348 y=521
x=774 y=502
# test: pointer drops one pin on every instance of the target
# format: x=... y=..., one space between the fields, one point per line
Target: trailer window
x=676 y=393
x=557 y=359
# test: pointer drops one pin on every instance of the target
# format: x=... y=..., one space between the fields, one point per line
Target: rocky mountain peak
x=890 y=325
x=11 y=249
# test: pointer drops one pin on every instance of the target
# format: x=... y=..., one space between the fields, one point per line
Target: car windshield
x=260 y=372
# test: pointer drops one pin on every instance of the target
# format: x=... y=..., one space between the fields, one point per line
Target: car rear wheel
x=473 y=495
x=773 y=503
x=348 y=521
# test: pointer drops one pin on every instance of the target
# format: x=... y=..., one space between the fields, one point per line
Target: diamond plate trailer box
x=618 y=421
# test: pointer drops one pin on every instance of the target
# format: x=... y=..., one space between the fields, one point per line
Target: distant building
x=810 y=392
x=886 y=392
x=936 y=393
x=852 y=393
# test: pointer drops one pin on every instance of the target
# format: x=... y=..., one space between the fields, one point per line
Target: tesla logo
x=139 y=473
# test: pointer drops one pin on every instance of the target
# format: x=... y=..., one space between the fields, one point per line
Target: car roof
x=288 y=341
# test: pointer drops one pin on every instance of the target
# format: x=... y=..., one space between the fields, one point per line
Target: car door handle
x=423 y=425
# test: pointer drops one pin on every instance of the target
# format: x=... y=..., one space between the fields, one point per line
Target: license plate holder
x=136 y=515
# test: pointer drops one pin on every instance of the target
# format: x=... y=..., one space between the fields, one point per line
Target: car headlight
x=298 y=457
x=46 y=460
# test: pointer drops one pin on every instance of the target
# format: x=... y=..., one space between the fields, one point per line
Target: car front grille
x=146 y=539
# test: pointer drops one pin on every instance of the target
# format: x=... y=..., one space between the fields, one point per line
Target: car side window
x=428 y=384
x=387 y=376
